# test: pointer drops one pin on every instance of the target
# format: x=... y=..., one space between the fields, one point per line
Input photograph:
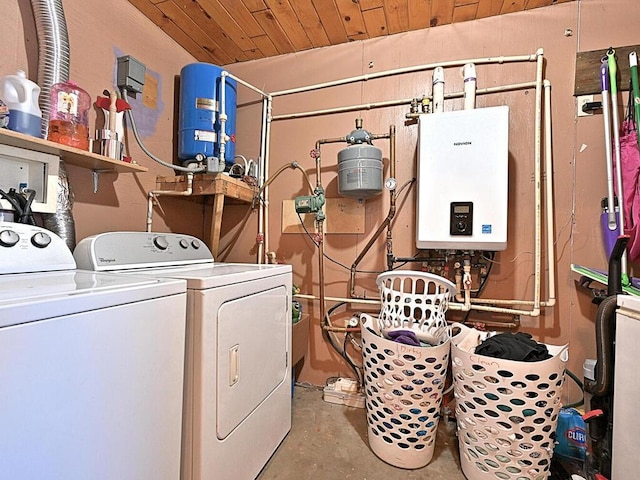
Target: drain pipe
x=469 y=75
x=154 y=194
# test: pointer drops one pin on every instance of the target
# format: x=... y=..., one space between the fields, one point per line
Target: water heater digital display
x=463 y=172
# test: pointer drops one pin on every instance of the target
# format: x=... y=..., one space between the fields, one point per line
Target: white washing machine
x=91 y=366
x=238 y=377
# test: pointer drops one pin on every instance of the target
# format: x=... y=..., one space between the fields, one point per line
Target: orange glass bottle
x=69 y=115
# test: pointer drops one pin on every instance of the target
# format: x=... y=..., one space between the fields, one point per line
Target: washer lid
x=26 y=297
x=200 y=277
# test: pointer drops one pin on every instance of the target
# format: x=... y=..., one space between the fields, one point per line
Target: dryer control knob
x=195 y=244
x=8 y=238
x=161 y=243
x=183 y=243
x=41 y=240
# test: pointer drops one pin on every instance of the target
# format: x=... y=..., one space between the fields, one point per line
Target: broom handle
x=613 y=72
x=604 y=82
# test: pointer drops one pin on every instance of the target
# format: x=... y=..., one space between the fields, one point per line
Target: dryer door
x=252 y=350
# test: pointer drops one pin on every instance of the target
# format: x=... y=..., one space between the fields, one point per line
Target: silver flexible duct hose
x=53 y=67
x=61 y=222
x=53 y=49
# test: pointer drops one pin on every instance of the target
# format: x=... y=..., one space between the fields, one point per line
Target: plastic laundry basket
x=506 y=411
x=415 y=300
x=404 y=383
x=403 y=386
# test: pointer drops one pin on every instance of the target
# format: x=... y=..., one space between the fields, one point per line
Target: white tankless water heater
x=463 y=182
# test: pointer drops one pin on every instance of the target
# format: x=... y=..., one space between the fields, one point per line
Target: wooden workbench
x=220 y=187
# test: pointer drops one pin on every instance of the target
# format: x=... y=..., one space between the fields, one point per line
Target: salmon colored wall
x=96 y=28
x=579 y=173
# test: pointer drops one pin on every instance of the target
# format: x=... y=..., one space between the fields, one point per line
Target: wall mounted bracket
x=95 y=176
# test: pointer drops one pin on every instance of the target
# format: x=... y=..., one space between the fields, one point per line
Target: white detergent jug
x=21 y=96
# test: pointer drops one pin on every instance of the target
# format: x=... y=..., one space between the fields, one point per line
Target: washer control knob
x=41 y=240
x=8 y=238
x=161 y=242
x=195 y=244
x=183 y=243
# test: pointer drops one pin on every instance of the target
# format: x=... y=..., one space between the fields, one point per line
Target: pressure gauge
x=391 y=183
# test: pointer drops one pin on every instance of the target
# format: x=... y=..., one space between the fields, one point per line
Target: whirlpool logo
x=460 y=144
x=107 y=260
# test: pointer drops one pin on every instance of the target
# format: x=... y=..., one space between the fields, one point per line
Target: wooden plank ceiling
x=229 y=31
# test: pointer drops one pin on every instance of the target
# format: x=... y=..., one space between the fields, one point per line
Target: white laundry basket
x=404 y=383
x=414 y=300
x=506 y=411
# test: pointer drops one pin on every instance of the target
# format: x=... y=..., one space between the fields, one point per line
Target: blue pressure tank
x=199 y=117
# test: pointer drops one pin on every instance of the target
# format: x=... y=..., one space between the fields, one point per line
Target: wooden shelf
x=209 y=184
x=220 y=187
x=71 y=155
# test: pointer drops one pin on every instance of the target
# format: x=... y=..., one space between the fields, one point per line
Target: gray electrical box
x=130 y=74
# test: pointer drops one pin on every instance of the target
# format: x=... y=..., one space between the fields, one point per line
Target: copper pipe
x=331 y=328
x=319 y=231
x=392 y=211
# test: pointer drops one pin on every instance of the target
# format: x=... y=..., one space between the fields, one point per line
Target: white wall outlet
x=581 y=101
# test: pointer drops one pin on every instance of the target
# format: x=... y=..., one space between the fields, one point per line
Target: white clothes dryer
x=91 y=366
x=238 y=376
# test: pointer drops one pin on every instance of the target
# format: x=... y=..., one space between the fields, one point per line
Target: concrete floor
x=329 y=441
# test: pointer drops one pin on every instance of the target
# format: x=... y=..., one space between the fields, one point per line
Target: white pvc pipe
x=400 y=71
x=537 y=156
x=265 y=204
x=156 y=193
x=223 y=115
x=438 y=90
x=262 y=166
x=246 y=84
x=395 y=103
x=469 y=75
x=536 y=303
x=548 y=169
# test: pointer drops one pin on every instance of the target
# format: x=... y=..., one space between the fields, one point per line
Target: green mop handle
x=613 y=71
x=635 y=90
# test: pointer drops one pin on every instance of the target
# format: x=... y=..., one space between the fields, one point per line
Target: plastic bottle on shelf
x=69 y=116
x=21 y=96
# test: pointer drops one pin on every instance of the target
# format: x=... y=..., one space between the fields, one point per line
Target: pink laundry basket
x=506 y=411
